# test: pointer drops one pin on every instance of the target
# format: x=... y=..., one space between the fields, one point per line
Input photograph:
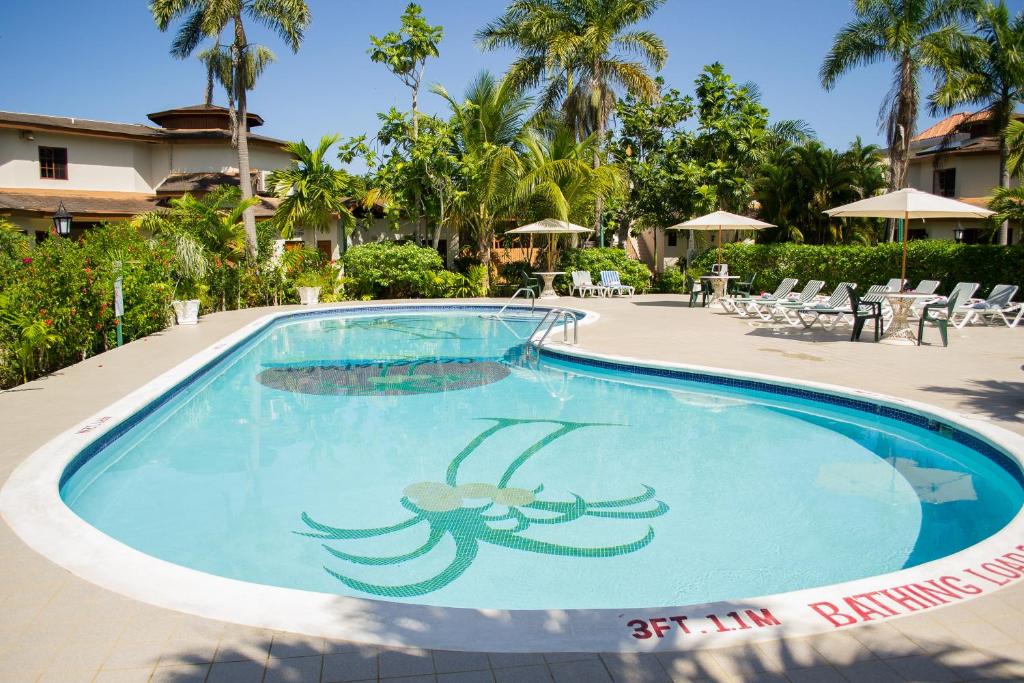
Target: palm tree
x=1013 y=137
x=905 y=32
x=204 y=19
x=485 y=128
x=985 y=69
x=580 y=51
x=311 y=190
x=558 y=180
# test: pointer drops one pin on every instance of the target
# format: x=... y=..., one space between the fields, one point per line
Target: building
x=958 y=157
x=104 y=171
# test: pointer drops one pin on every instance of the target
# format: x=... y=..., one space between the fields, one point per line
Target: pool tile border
x=31 y=504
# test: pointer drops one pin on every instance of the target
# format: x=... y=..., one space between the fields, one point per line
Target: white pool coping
x=31 y=504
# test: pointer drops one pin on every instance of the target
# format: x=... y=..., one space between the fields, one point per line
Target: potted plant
x=186 y=302
x=308 y=285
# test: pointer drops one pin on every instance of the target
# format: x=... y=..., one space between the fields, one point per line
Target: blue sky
x=108 y=61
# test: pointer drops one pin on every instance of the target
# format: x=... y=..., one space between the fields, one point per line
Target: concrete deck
x=56 y=627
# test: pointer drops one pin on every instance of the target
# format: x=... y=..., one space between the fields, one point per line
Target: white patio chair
x=998 y=305
x=833 y=306
x=775 y=308
x=740 y=304
x=612 y=283
x=582 y=283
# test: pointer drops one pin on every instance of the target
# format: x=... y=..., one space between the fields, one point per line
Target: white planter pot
x=186 y=312
x=309 y=295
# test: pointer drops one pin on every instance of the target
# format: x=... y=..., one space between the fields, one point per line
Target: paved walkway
x=56 y=627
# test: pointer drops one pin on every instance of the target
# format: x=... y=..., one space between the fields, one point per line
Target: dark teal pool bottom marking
x=442 y=507
x=383 y=378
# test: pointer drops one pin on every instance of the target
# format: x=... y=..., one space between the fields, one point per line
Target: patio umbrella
x=551 y=227
x=721 y=220
x=906 y=204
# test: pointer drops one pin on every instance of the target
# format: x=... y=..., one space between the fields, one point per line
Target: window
x=53 y=163
x=673 y=238
x=945 y=182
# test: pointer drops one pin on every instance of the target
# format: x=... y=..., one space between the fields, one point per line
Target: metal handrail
x=556 y=315
x=528 y=294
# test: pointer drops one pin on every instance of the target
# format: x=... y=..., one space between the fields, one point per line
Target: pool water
x=420 y=457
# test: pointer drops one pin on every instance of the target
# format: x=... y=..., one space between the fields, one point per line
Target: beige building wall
x=94 y=164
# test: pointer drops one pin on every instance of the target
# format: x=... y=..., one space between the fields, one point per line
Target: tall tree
x=985 y=69
x=578 y=52
x=405 y=53
x=485 y=129
x=311 y=190
x=904 y=32
x=202 y=19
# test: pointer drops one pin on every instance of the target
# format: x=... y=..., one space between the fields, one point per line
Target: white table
x=899 y=332
x=549 y=280
x=719 y=284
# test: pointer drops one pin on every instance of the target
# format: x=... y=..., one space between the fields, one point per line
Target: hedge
x=594 y=261
x=941 y=260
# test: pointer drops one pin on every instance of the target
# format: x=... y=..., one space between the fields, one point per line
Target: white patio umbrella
x=550 y=227
x=721 y=220
x=906 y=204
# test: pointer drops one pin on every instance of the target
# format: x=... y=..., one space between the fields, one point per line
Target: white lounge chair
x=612 y=283
x=775 y=308
x=895 y=284
x=582 y=284
x=999 y=305
x=738 y=304
x=923 y=287
x=834 y=307
x=842 y=312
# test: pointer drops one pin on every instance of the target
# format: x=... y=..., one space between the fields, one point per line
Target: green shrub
x=594 y=261
x=68 y=287
x=672 y=281
x=391 y=270
x=926 y=260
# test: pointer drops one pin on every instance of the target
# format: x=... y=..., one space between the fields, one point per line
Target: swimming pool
x=419 y=456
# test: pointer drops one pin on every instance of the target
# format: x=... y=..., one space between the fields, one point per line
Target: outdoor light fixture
x=62 y=221
x=958 y=235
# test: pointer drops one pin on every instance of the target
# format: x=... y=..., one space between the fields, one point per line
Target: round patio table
x=549 y=280
x=899 y=332
x=718 y=286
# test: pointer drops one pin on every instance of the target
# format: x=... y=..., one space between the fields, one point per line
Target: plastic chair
x=928 y=315
x=863 y=311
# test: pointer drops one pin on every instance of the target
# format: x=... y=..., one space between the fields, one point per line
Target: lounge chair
x=923 y=287
x=582 y=284
x=836 y=308
x=613 y=284
x=774 y=308
x=895 y=284
x=865 y=308
x=739 y=304
x=999 y=304
x=940 y=314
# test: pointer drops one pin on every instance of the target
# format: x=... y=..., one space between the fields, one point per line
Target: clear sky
x=106 y=60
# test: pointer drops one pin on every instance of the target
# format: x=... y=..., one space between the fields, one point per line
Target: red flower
x=26 y=260
x=49 y=322
x=99 y=326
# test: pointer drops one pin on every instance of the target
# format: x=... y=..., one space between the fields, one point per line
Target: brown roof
x=983 y=145
x=950 y=125
x=77 y=203
x=135 y=131
x=201 y=182
x=96 y=204
x=200 y=110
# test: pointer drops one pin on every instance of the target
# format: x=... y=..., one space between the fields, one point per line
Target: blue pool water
x=418 y=457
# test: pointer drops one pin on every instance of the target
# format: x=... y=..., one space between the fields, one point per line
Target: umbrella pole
x=718 y=258
x=903 y=267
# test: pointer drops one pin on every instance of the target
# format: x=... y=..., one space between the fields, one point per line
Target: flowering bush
x=391 y=270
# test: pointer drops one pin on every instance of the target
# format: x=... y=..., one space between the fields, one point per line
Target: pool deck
x=57 y=627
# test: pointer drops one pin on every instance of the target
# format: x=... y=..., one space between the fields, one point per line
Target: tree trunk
x=1004 y=181
x=901 y=134
x=599 y=204
x=244 y=174
x=624 y=226
x=483 y=247
x=209 y=84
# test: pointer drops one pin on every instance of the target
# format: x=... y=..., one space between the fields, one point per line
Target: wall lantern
x=958 y=235
x=62 y=221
